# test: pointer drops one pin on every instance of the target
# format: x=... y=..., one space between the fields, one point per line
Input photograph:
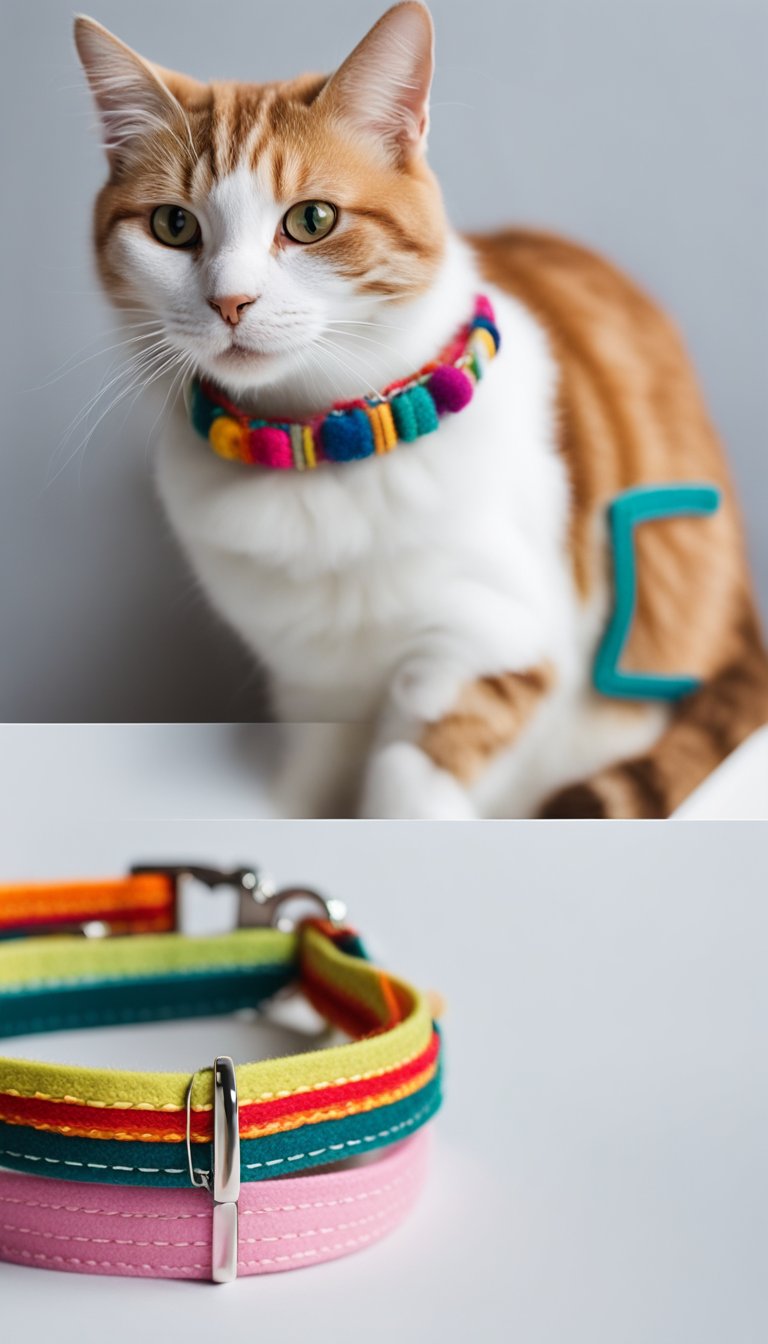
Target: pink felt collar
x=166 y=1234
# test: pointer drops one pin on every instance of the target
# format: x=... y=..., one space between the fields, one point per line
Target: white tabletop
x=601 y=1173
x=222 y=769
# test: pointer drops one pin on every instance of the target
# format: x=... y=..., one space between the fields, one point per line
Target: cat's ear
x=133 y=97
x=382 y=89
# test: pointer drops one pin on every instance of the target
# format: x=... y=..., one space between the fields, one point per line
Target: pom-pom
x=450 y=389
x=270 y=446
x=228 y=438
x=348 y=436
x=485 y=324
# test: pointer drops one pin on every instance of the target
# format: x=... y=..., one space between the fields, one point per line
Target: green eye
x=309 y=221
x=175 y=226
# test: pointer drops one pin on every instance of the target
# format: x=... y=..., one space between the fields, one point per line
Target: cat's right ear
x=134 y=98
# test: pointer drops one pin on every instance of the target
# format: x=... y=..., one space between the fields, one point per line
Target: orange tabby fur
x=630 y=413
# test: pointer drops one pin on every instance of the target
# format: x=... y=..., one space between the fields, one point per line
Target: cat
x=428 y=615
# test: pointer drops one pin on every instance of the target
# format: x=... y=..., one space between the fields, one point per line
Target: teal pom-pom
x=405 y=417
x=424 y=410
x=202 y=411
x=347 y=437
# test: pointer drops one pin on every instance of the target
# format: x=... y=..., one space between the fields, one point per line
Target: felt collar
x=404 y=411
x=126 y=1128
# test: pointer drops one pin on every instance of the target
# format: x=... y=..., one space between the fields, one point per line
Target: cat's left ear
x=382 y=89
x=134 y=97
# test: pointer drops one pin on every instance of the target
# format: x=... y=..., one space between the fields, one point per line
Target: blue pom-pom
x=489 y=326
x=347 y=437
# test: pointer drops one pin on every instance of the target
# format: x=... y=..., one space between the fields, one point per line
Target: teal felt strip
x=164 y=1164
x=141 y=999
x=642 y=504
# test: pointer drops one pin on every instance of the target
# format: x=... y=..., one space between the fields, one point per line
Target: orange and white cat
x=434 y=610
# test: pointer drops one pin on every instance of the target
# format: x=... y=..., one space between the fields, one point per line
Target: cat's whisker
x=141 y=380
x=68 y=367
x=133 y=371
x=175 y=386
x=369 y=340
x=365 y=364
x=322 y=347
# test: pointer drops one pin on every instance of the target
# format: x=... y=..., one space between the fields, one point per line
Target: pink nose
x=230 y=307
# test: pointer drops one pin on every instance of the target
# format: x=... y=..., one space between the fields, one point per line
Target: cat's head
x=257 y=222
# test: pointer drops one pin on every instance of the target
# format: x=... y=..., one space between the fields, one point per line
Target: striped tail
x=708 y=725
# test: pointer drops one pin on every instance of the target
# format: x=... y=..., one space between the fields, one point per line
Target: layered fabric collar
x=353 y=430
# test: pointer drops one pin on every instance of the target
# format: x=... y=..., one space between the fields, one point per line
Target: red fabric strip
x=36 y=1112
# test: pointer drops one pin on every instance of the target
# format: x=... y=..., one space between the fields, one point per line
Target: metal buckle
x=260 y=900
x=224 y=1181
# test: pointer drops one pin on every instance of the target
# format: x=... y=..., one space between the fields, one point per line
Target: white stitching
x=250 y=1166
x=183 y=1217
x=321 y=1250
x=247 y=1241
x=94 y=1241
x=104 y=1264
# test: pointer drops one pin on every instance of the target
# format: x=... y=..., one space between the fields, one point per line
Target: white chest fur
x=337 y=576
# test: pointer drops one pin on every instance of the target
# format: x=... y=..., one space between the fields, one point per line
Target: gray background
x=639 y=127
x=601 y=1173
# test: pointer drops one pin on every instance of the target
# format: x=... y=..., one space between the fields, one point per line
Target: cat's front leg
x=447 y=716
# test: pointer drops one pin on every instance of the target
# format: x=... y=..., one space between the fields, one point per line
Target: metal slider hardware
x=223 y=1181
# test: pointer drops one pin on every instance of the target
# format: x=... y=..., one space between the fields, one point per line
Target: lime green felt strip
x=259 y=1081
x=48 y=961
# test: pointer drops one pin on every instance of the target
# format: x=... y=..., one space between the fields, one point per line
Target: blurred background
x=639 y=128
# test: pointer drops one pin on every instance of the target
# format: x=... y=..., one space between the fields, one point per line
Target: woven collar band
x=357 y=429
x=228 y=1129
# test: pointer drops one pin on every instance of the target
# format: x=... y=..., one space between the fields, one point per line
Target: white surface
x=601 y=1173
x=221 y=769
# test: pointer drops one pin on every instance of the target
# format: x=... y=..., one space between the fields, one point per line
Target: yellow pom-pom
x=227 y=438
x=483 y=340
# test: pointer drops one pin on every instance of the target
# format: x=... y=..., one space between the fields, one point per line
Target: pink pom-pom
x=450 y=389
x=271 y=447
x=483 y=308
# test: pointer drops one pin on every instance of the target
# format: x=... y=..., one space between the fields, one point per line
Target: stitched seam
x=96 y=1241
x=191 y=1269
x=246 y=1101
x=181 y=1217
x=314 y=1252
x=359 y=1106
x=394 y=1206
x=184 y=1245
x=102 y=1264
x=251 y=1166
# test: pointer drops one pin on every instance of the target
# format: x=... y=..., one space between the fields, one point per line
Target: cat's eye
x=309 y=221
x=175 y=226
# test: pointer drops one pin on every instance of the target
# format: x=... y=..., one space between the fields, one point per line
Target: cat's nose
x=231 y=307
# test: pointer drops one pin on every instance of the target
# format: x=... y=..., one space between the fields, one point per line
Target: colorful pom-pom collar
x=223 y=1126
x=353 y=430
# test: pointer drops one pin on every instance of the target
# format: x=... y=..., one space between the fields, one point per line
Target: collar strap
x=349 y=431
x=168 y=1234
x=296 y=1113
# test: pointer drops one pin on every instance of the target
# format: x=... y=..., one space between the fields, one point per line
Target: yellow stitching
x=288 y=1123
x=248 y=1101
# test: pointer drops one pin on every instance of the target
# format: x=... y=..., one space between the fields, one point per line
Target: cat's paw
x=403 y=782
x=426 y=687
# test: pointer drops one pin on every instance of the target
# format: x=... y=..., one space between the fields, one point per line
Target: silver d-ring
x=262 y=907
